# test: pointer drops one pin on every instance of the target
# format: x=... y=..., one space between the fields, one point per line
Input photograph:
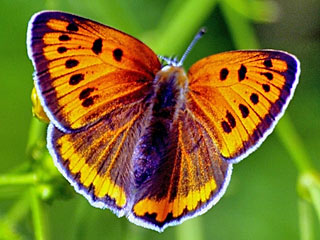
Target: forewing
x=240 y=95
x=85 y=70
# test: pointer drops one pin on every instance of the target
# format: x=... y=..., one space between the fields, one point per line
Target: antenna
x=194 y=41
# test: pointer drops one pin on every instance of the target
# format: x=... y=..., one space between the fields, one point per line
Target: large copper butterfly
x=148 y=141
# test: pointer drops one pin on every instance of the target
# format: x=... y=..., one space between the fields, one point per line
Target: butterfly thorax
x=170 y=85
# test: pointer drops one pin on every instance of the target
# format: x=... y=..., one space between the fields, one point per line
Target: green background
x=261 y=202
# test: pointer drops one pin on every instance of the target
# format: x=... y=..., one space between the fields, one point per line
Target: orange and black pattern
x=151 y=143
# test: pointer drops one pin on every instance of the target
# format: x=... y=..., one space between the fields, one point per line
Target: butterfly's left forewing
x=240 y=95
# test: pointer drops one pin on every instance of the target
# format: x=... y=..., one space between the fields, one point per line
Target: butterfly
x=145 y=139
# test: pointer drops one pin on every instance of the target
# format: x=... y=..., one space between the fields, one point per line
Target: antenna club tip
x=203 y=30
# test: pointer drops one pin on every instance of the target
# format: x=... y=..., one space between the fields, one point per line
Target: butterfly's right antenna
x=194 y=41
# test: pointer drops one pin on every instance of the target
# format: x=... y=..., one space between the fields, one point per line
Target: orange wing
x=189 y=179
x=85 y=70
x=240 y=95
x=97 y=161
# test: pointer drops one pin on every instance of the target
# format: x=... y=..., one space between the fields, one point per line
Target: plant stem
x=309 y=188
x=315 y=196
x=305 y=220
x=37 y=215
x=19 y=210
x=18 y=179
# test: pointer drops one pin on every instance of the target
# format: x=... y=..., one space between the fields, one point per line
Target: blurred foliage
x=273 y=194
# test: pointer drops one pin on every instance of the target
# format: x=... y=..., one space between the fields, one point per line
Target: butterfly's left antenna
x=194 y=41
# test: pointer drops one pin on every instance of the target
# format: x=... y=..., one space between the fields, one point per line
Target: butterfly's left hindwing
x=85 y=70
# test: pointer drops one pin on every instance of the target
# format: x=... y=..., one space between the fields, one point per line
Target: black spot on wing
x=267 y=63
x=254 y=98
x=231 y=120
x=244 y=110
x=268 y=75
x=76 y=78
x=226 y=127
x=62 y=49
x=117 y=54
x=97 y=46
x=224 y=74
x=85 y=93
x=87 y=102
x=72 y=27
x=70 y=63
x=266 y=87
x=242 y=72
x=64 y=37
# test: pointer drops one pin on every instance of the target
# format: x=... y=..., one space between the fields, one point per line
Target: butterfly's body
x=160 y=133
x=151 y=142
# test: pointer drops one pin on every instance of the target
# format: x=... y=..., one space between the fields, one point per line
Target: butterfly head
x=169 y=61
